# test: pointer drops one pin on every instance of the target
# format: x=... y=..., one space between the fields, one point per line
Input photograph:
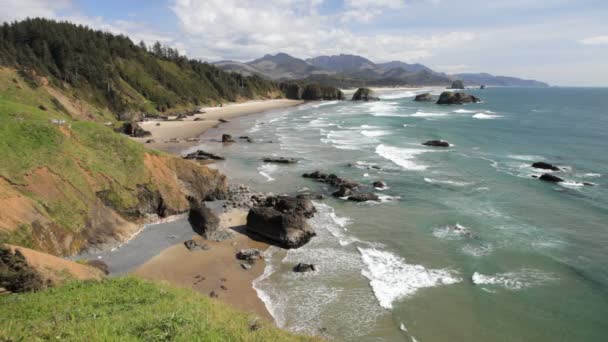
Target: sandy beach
x=215 y=270
x=171 y=136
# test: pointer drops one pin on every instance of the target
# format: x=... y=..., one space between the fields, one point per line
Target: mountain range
x=352 y=71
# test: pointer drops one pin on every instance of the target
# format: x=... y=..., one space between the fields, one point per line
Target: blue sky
x=563 y=42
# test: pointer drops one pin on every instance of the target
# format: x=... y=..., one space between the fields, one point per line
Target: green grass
x=127 y=309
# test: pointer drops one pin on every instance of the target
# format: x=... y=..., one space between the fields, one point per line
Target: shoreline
x=173 y=136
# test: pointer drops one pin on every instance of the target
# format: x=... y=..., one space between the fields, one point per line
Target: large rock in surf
x=202 y=155
x=547 y=177
x=365 y=94
x=457 y=85
x=426 y=97
x=280 y=160
x=545 y=166
x=302 y=267
x=448 y=97
x=282 y=220
x=436 y=143
x=331 y=179
x=364 y=197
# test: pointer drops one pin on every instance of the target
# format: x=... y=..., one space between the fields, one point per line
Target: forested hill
x=110 y=71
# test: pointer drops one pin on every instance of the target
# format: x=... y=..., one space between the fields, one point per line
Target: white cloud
x=246 y=29
x=367 y=10
x=597 y=40
x=21 y=9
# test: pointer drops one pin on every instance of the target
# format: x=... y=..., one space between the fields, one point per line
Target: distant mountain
x=342 y=63
x=352 y=71
x=491 y=80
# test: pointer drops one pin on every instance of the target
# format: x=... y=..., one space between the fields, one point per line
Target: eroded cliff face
x=63 y=214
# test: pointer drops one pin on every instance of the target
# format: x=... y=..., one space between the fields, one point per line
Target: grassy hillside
x=66 y=184
x=111 y=72
x=127 y=309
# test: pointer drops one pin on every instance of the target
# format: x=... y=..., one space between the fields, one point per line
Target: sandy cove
x=170 y=136
x=215 y=270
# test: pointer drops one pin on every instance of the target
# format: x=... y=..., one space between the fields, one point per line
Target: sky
x=562 y=42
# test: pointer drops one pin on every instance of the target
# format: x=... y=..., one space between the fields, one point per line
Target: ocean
x=465 y=245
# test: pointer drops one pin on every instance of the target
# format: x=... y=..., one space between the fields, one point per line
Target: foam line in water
x=391 y=278
x=404 y=157
x=517 y=280
x=484 y=116
x=447 y=182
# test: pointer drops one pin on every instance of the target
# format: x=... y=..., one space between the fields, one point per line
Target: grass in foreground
x=128 y=309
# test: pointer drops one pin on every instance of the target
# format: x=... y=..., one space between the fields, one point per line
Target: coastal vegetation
x=128 y=309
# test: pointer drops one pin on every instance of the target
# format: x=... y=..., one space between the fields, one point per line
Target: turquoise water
x=532 y=264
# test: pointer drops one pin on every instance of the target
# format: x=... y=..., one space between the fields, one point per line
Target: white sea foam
x=421 y=114
x=403 y=157
x=517 y=280
x=402 y=327
x=464 y=111
x=592 y=175
x=391 y=278
x=447 y=182
x=266 y=170
x=452 y=232
x=375 y=133
x=387 y=198
x=478 y=251
x=484 y=116
x=529 y=158
x=397 y=95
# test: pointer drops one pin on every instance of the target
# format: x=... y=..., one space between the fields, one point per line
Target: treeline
x=310 y=91
x=113 y=71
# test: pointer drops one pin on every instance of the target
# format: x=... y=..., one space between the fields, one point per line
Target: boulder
x=194 y=246
x=202 y=155
x=448 y=97
x=424 y=97
x=379 y=184
x=482 y=87
x=227 y=138
x=547 y=177
x=545 y=166
x=280 y=160
x=331 y=179
x=250 y=254
x=365 y=94
x=457 y=85
x=364 y=197
x=342 y=192
x=223 y=120
x=311 y=196
x=282 y=220
x=302 y=267
x=436 y=143
x=133 y=129
x=206 y=223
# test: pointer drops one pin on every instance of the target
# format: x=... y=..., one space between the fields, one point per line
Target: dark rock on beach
x=202 y=155
x=436 y=143
x=206 y=223
x=133 y=129
x=280 y=160
x=227 y=138
x=302 y=267
x=194 y=246
x=365 y=94
x=426 y=97
x=448 y=97
x=250 y=254
x=547 y=177
x=282 y=220
x=545 y=166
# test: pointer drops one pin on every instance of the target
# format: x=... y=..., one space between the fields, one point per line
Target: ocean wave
x=375 y=133
x=529 y=158
x=592 y=175
x=336 y=225
x=391 y=278
x=266 y=170
x=347 y=140
x=484 y=116
x=452 y=232
x=403 y=157
x=464 y=111
x=421 y=114
x=447 y=182
x=397 y=95
x=478 y=251
x=517 y=280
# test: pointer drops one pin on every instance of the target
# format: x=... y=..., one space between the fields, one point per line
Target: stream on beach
x=465 y=244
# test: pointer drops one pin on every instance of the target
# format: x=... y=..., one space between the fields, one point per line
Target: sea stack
x=426 y=97
x=457 y=85
x=365 y=94
x=448 y=97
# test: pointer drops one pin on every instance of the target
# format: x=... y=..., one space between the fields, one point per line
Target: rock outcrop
x=302 y=267
x=364 y=197
x=545 y=166
x=250 y=254
x=365 y=94
x=227 y=138
x=448 y=97
x=458 y=84
x=436 y=143
x=547 y=177
x=331 y=179
x=206 y=223
x=202 y=155
x=282 y=220
x=379 y=184
x=133 y=129
x=280 y=160
x=426 y=97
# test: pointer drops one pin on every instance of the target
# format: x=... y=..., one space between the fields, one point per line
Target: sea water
x=465 y=245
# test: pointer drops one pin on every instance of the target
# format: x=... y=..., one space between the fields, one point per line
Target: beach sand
x=170 y=136
x=215 y=270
